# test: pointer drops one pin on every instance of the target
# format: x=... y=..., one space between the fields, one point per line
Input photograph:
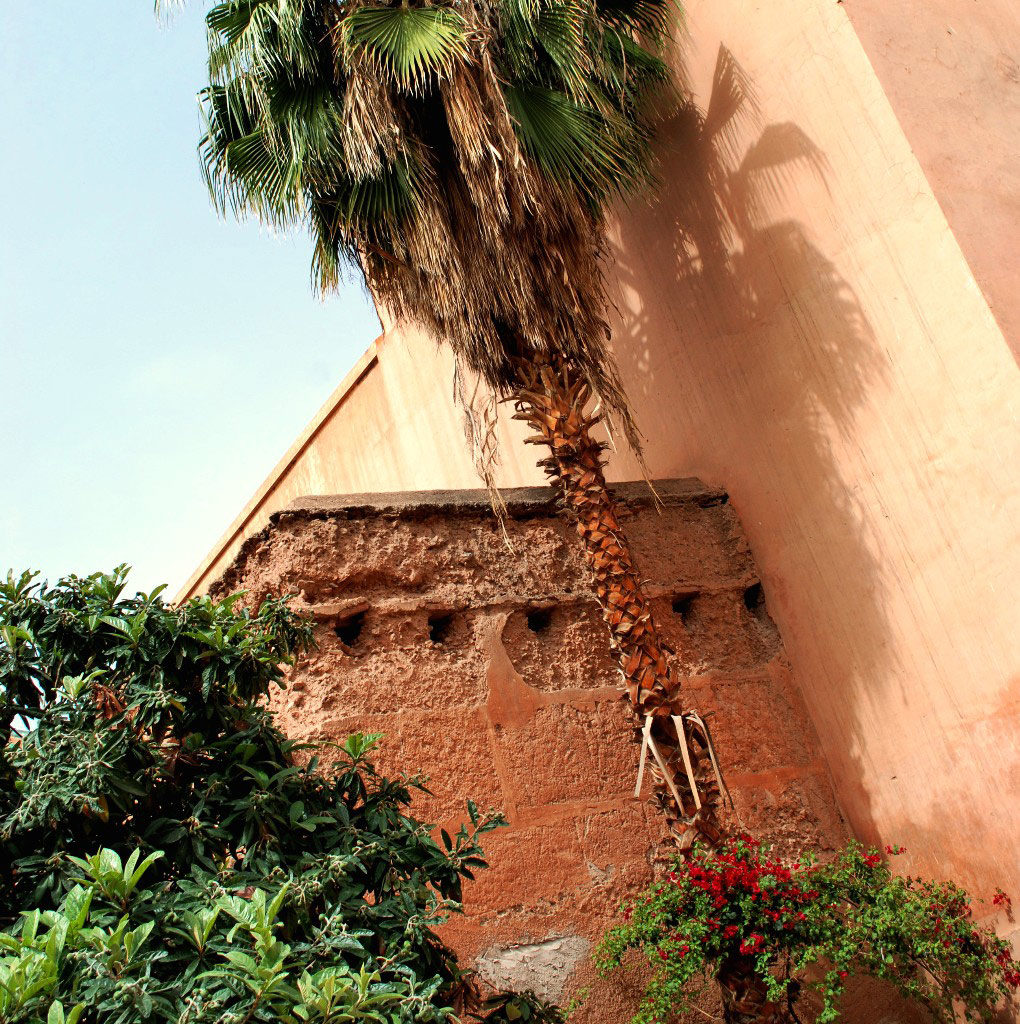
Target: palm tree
x=462 y=155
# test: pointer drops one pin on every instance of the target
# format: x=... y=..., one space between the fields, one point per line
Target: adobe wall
x=488 y=668
x=797 y=324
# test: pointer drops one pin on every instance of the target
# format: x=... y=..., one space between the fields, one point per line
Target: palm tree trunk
x=744 y=996
x=553 y=398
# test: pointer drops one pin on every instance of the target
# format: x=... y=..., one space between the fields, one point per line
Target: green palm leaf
x=560 y=29
x=310 y=115
x=357 y=216
x=575 y=145
x=247 y=169
x=411 y=44
x=366 y=204
x=269 y=178
x=232 y=19
x=652 y=19
x=241 y=36
x=517 y=20
x=626 y=69
x=259 y=34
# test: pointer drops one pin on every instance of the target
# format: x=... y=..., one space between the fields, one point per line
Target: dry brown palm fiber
x=495 y=259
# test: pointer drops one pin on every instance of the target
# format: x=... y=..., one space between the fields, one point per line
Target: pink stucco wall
x=951 y=71
x=799 y=325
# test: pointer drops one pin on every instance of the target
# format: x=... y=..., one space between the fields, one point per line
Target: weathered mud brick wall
x=487 y=667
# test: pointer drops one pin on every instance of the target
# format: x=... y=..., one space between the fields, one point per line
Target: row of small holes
x=754 y=601
x=539 y=619
x=349 y=629
x=440 y=625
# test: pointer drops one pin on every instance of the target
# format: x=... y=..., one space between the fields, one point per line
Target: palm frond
x=241 y=38
x=625 y=69
x=358 y=217
x=462 y=156
x=247 y=171
x=371 y=124
x=362 y=205
x=165 y=9
x=410 y=44
x=651 y=19
x=310 y=116
x=560 y=29
x=575 y=145
x=516 y=23
x=250 y=35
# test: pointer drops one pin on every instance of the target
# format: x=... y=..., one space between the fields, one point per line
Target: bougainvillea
x=812 y=924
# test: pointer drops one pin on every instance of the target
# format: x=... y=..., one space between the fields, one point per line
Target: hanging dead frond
x=480 y=411
x=370 y=126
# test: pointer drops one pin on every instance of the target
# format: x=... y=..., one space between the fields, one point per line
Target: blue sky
x=155 y=361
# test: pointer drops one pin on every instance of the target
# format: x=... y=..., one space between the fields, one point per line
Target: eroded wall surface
x=489 y=669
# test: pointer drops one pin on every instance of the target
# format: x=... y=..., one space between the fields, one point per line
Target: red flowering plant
x=810 y=924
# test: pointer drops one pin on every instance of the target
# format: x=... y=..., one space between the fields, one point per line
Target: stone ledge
x=521 y=502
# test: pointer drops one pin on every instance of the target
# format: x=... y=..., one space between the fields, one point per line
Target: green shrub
x=167 y=857
x=848 y=916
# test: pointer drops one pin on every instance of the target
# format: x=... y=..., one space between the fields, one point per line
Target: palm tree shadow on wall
x=747 y=296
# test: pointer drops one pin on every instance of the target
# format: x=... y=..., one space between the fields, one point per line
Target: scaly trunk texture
x=552 y=397
x=744 y=996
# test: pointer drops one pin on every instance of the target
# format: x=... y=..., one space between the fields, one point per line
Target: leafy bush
x=849 y=916
x=167 y=857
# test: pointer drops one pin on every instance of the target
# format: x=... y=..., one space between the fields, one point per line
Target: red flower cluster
x=738 y=897
x=1010 y=968
x=740 y=870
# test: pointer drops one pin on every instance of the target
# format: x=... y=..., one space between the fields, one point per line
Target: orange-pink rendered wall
x=951 y=70
x=797 y=324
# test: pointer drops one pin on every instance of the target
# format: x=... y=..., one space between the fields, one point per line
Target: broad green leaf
x=411 y=44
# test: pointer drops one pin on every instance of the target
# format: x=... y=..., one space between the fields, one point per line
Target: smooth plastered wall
x=797 y=323
x=951 y=71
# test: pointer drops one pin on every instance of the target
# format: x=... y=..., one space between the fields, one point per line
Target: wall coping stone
x=521 y=502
